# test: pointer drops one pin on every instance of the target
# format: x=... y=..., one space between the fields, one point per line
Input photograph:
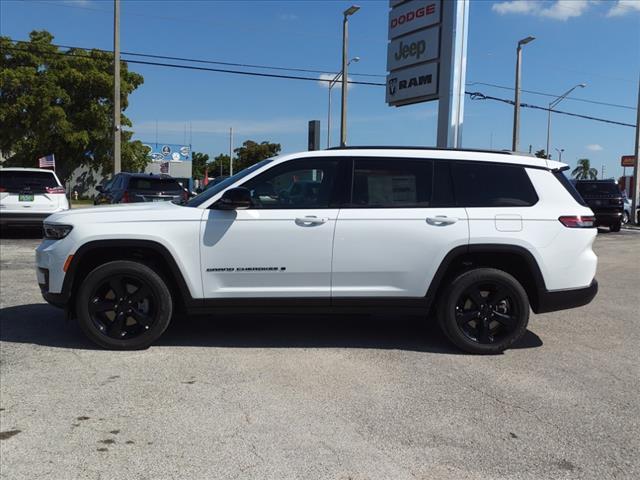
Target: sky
x=596 y=42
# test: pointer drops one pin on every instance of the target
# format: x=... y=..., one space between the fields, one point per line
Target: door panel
x=393 y=252
x=282 y=245
x=267 y=253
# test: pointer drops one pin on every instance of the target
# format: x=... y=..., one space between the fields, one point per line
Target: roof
x=434 y=153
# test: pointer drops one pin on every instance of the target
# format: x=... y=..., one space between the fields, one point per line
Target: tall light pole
x=635 y=201
x=345 y=73
x=559 y=150
x=331 y=85
x=116 y=87
x=515 y=144
x=552 y=105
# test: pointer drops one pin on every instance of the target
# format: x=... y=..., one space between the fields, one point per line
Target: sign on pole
x=427 y=60
x=627 y=160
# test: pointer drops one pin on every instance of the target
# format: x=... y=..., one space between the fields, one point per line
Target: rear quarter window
x=479 y=184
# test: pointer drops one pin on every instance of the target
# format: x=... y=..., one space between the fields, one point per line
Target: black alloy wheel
x=487 y=313
x=484 y=311
x=123 y=305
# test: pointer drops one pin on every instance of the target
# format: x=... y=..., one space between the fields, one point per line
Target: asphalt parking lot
x=322 y=397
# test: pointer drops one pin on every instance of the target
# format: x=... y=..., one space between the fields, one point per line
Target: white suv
x=475 y=237
x=29 y=195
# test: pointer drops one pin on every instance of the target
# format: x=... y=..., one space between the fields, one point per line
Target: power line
x=533 y=92
x=473 y=95
x=208 y=69
x=482 y=96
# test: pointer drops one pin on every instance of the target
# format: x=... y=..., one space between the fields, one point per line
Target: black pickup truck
x=605 y=199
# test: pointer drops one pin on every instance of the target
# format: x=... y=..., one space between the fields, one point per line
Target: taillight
x=54 y=189
x=125 y=197
x=185 y=195
x=578 y=221
x=2 y=189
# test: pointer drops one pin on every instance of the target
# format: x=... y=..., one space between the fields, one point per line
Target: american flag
x=48 y=161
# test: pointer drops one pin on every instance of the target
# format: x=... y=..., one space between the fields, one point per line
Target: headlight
x=56 y=232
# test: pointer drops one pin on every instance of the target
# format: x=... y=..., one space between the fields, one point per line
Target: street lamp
x=552 y=105
x=345 y=75
x=331 y=84
x=559 y=153
x=515 y=144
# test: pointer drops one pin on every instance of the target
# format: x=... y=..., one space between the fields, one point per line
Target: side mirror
x=100 y=188
x=234 y=199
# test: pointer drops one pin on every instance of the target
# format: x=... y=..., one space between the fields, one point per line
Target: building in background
x=171 y=159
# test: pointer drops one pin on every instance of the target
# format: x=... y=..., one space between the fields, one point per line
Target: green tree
x=251 y=152
x=61 y=102
x=220 y=166
x=584 y=171
x=200 y=162
x=541 y=153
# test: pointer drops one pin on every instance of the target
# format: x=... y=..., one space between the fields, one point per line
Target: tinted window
x=442 y=185
x=296 y=184
x=479 y=184
x=597 y=188
x=13 y=181
x=569 y=187
x=153 y=184
x=392 y=183
x=218 y=187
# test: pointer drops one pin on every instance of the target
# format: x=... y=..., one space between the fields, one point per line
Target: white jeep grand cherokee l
x=475 y=237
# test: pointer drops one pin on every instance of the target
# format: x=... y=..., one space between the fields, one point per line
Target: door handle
x=441 y=220
x=310 y=220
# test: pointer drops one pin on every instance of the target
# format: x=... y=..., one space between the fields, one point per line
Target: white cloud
x=322 y=80
x=622 y=7
x=594 y=147
x=556 y=10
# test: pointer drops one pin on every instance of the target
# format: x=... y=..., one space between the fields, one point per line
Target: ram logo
x=393 y=84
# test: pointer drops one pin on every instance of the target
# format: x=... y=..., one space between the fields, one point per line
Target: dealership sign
x=628 y=160
x=413 y=53
x=168 y=152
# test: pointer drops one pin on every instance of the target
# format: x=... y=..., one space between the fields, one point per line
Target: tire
x=492 y=323
x=615 y=227
x=625 y=218
x=123 y=305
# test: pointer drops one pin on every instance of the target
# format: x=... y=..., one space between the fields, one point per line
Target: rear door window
x=566 y=183
x=153 y=184
x=16 y=181
x=479 y=184
x=392 y=183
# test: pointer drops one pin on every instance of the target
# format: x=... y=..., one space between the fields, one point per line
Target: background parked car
x=605 y=199
x=29 y=195
x=140 y=187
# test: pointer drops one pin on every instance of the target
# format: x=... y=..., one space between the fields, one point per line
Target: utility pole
x=635 y=201
x=230 y=151
x=117 y=166
x=345 y=73
x=515 y=144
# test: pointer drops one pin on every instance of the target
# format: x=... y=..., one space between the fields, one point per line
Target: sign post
x=427 y=60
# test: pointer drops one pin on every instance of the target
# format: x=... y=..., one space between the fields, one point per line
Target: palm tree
x=584 y=171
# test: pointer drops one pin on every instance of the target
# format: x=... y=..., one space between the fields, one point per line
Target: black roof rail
x=405 y=147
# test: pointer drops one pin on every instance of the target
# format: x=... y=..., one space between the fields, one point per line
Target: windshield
x=213 y=191
x=597 y=188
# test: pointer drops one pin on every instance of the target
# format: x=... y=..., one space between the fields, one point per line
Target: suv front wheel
x=123 y=305
x=484 y=311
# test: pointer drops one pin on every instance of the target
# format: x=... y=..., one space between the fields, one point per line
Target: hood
x=138 y=212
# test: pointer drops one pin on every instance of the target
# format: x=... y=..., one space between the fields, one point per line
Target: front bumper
x=23 y=219
x=551 y=301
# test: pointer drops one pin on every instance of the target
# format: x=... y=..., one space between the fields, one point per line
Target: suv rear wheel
x=123 y=305
x=484 y=311
x=615 y=227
